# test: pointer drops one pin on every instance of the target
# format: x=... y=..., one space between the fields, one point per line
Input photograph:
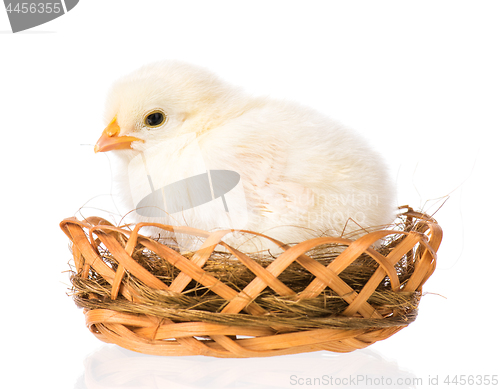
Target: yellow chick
x=189 y=149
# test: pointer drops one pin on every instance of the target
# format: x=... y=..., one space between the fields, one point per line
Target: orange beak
x=110 y=139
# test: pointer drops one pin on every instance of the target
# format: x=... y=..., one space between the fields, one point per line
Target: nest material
x=326 y=293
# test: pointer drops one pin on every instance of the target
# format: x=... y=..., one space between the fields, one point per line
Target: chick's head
x=158 y=102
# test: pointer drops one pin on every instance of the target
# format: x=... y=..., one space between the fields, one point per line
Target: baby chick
x=191 y=150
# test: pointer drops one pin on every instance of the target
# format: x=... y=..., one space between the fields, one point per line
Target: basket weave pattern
x=163 y=336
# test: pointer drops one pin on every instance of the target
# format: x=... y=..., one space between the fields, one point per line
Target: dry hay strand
x=148 y=297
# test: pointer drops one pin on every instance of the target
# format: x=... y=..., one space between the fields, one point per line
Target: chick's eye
x=155 y=119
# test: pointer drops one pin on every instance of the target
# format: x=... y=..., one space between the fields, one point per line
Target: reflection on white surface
x=114 y=367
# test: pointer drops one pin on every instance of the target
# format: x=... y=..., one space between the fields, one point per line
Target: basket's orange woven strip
x=199 y=259
x=377 y=335
x=353 y=250
x=264 y=277
x=375 y=280
x=96 y=316
x=120 y=271
x=97 y=223
x=121 y=256
x=331 y=279
x=175 y=330
x=117 y=282
x=200 y=275
x=236 y=349
x=356 y=248
x=298 y=339
x=74 y=230
x=79 y=261
x=427 y=264
x=257 y=285
x=350 y=344
x=178 y=229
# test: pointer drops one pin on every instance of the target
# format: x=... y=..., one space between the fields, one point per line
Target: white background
x=420 y=80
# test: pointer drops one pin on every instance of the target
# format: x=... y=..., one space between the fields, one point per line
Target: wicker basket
x=118 y=311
